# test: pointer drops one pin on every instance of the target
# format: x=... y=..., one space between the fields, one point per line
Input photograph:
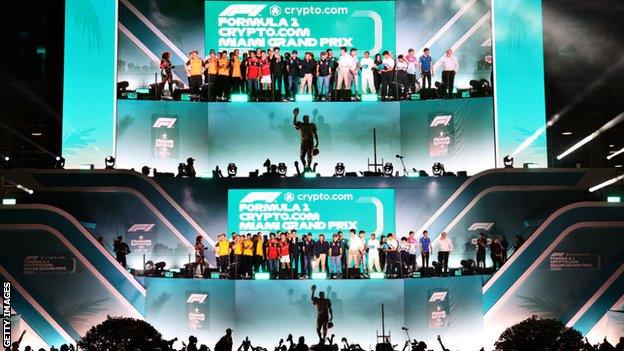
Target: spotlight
x=437 y=169
x=109 y=162
x=281 y=169
x=159 y=266
x=388 y=169
x=7 y=162
x=339 y=170
x=232 y=169
x=25 y=189
x=508 y=161
x=59 y=162
x=182 y=170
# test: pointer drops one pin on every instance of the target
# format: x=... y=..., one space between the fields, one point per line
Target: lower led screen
x=317 y=211
x=458 y=133
x=266 y=311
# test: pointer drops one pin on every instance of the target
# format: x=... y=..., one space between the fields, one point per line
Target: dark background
x=582 y=40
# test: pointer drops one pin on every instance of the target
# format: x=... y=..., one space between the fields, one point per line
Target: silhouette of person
x=324 y=314
x=309 y=138
x=192 y=345
x=301 y=345
x=225 y=343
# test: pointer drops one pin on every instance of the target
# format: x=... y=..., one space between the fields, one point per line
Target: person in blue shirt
x=426 y=71
x=425 y=248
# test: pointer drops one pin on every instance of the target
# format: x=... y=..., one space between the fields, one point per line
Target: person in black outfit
x=294 y=74
x=121 y=250
x=277 y=72
x=481 y=245
x=309 y=138
x=321 y=250
x=166 y=72
x=496 y=253
x=307 y=252
x=225 y=343
x=505 y=247
x=294 y=253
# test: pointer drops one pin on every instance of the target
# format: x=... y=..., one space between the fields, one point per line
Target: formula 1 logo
x=438 y=296
x=242 y=9
x=167 y=122
x=141 y=227
x=258 y=196
x=480 y=226
x=443 y=120
x=197 y=298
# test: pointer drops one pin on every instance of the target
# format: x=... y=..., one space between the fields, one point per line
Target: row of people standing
x=285 y=75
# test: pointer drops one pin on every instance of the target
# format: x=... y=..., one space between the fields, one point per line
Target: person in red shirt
x=284 y=252
x=265 y=71
x=273 y=254
x=252 y=74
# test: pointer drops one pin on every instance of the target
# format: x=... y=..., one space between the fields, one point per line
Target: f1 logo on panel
x=242 y=9
x=443 y=120
x=197 y=298
x=141 y=227
x=438 y=296
x=480 y=226
x=167 y=122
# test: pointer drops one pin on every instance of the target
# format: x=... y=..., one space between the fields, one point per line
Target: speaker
x=207 y=92
x=265 y=95
x=427 y=272
x=426 y=94
x=341 y=95
x=354 y=273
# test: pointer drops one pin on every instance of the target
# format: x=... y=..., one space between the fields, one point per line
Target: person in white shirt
x=391 y=254
x=450 y=66
x=373 y=254
x=387 y=74
x=368 y=77
x=345 y=63
x=354 y=252
x=413 y=68
x=355 y=70
x=445 y=246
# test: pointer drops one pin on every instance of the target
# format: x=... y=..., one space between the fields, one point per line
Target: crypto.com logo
x=443 y=120
x=242 y=9
x=141 y=227
x=438 y=296
x=164 y=122
x=198 y=298
x=480 y=226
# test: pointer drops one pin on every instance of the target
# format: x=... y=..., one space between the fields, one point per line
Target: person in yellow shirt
x=211 y=67
x=248 y=254
x=223 y=77
x=236 y=80
x=194 y=69
x=223 y=250
x=259 y=246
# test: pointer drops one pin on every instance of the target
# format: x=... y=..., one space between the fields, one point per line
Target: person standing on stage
x=412 y=71
x=277 y=70
x=272 y=254
x=294 y=253
x=284 y=247
x=248 y=254
x=200 y=259
x=354 y=253
x=194 y=69
x=253 y=74
x=445 y=246
x=223 y=250
x=450 y=66
x=387 y=74
x=321 y=249
x=333 y=64
x=425 y=248
x=505 y=246
x=363 y=255
x=165 y=72
x=373 y=254
x=324 y=314
x=355 y=71
x=309 y=138
x=258 y=252
x=121 y=249
x=481 y=246
x=236 y=77
x=413 y=249
x=383 y=247
x=265 y=72
x=307 y=249
x=496 y=253
x=239 y=244
x=426 y=71
x=392 y=247
x=368 y=78
x=335 y=252
x=223 y=77
x=345 y=63
x=323 y=72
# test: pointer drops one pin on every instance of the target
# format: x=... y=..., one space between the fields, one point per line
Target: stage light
x=438 y=169
x=282 y=169
x=319 y=275
x=369 y=97
x=25 y=189
x=86 y=166
x=614 y=199
x=619 y=118
x=9 y=202
x=304 y=97
x=388 y=169
x=239 y=98
x=109 y=162
x=615 y=153
x=262 y=276
x=7 y=162
x=566 y=133
x=159 y=266
x=182 y=171
x=232 y=170
x=59 y=162
x=508 y=161
x=339 y=170
x=310 y=174
x=606 y=183
x=377 y=275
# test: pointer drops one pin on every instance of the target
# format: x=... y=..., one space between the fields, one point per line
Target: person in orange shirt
x=223 y=77
x=194 y=68
x=248 y=253
x=210 y=72
x=236 y=80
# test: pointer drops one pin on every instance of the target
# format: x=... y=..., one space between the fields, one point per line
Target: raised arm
x=295 y=114
x=313 y=288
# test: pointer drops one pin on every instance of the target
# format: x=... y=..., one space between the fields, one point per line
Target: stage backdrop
x=269 y=310
x=459 y=133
